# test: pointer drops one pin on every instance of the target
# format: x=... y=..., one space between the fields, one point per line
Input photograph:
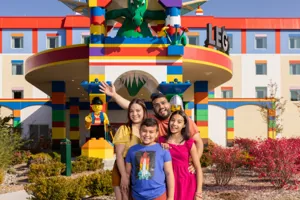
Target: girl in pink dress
x=188 y=186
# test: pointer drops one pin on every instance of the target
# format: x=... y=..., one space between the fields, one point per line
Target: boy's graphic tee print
x=148 y=179
x=145 y=165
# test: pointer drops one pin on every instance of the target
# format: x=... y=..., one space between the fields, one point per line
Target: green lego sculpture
x=135 y=19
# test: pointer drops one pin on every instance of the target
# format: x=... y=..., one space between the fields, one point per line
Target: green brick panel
x=211 y=96
x=230 y=124
x=201 y=112
x=74 y=122
x=272 y=124
x=58 y=116
x=201 y=118
x=16 y=123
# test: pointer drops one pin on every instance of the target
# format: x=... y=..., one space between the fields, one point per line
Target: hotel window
x=295 y=69
x=261 y=68
x=85 y=39
x=52 y=42
x=17 y=67
x=17 y=42
x=193 y=40
x=261 y=92
x=18 y=94
x=295 y=94
x=260 y=42
x=294 y=41
x=227 y=92
x=230 y=40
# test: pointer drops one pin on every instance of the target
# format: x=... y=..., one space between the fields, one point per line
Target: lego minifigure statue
x=97 y=121
x=176 y=103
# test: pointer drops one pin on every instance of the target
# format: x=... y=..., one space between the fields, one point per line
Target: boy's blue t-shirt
x=147 y=173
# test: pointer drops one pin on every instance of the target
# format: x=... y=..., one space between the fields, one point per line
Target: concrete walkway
x=20 y=195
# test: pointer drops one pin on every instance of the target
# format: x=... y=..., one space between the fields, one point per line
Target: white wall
x=37 y=93
x=217 y=124
x=35 y=115
x=249 y=78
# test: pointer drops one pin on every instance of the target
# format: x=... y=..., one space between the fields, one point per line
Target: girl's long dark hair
x=184 y=131
x=142 y=104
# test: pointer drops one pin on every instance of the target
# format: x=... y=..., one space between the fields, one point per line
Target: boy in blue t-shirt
x=150 y=166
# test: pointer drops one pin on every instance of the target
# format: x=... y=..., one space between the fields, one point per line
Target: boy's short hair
x=150 y=122
x=157 y=95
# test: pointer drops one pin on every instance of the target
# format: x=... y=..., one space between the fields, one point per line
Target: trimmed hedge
x=67 y=188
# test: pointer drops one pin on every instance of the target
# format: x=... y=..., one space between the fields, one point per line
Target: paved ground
x=20 y=195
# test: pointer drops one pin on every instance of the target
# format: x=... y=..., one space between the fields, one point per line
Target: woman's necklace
x=175 y=140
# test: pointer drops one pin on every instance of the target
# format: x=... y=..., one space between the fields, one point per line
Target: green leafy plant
x=10 y=142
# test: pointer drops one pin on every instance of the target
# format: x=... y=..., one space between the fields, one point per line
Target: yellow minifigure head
x=97 y=105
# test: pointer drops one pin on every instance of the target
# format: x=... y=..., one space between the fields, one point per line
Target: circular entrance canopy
x=71 y=64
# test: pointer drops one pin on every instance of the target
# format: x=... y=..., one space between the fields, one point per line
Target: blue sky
x=222 y=8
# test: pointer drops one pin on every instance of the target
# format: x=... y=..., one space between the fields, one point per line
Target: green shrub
x=206 y=159
x=21 y=157
x=100 y=184
x=67 y=188
x=45 y=170
x=10 y=142
x=93 y=164
x=78 y=188
x=41 y=158
x=55 y=156
x=79 y=166
x=2 y=175
x=54 y=188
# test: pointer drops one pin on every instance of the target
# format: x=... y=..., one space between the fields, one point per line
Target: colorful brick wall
x=58 y=113
x=201 y=108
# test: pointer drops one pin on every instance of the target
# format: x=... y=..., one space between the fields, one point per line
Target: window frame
x=265 y=89
x=193 y=36
x=230 y=92
x=14 y=91
x=297 y=65
x=298 y=95
x=83 y=38
x=13 y=43
x=48 y=42
x=17 y=64
x=261 y=37
x=293 y=37
x=230 y=42
x=265 y=68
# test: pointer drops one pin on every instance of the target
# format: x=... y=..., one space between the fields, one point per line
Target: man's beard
x=161 y=117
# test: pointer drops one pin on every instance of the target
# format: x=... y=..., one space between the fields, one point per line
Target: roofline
x=77 y=21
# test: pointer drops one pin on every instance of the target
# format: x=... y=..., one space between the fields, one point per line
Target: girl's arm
x=128 y=170
x=121 y=164
x=197 y=165
x=170 y=180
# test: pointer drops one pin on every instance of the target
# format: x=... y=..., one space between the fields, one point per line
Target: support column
x=201 y=108
x=98 y=33
x=189 y=109
x=271 y=124
x=98 y=28
x=58 y=113
x=230 y=127
x=17 y=118
x=74 y=123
